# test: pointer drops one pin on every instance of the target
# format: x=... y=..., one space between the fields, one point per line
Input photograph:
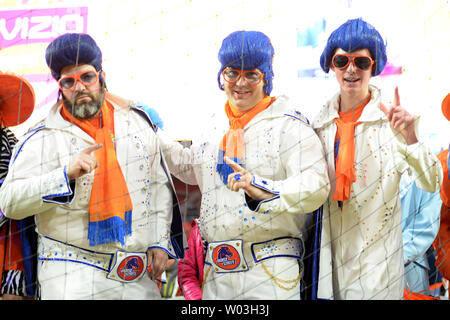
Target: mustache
x=80 y=94
x=83 y=110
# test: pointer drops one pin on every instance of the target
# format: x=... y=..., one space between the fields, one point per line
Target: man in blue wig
x=94 y=178
x=260 y=183
x=369 y=146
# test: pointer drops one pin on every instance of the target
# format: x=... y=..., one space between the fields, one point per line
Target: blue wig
x=247 y=50
x=72 y=49
x=355 y=35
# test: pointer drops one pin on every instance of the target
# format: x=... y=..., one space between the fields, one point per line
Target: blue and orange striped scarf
x=232 y=144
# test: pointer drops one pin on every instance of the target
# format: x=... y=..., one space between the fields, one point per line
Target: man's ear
x=103 y=75
x=102 y=78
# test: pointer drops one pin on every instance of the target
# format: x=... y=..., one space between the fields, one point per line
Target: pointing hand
x=242 y=179
x=83 y=163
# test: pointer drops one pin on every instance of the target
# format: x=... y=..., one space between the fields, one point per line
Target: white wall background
x=164 y=53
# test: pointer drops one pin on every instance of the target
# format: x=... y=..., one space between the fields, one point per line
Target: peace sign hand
x=242 y=179
x=83 y=163
x=400 y=119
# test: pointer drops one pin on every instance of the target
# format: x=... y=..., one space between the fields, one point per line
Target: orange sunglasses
x=87 y=78
x=341 y=61
x=253 y=77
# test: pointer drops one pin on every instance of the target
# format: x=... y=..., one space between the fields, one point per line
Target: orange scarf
x=110 y=204
x=345 y=171
x=232 y=144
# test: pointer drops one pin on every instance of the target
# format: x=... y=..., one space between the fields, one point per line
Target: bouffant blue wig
x=72 y=49
x=356 y=34
x=248 y=50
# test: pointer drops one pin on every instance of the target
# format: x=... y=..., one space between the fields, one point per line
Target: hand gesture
x=400 y=119
x=242 y=179
x=83 y=163
x=157 y=260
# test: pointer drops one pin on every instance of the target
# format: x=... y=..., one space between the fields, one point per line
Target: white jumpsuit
x=68 y=267
x=365 y=238
x=286 y=158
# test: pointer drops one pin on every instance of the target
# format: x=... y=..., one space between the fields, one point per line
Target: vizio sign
x=19 y=27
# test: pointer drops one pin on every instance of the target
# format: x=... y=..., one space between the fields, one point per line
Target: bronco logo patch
x=130 y=268
x=226 y=257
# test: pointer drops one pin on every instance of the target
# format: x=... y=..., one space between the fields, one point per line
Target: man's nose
x=241 y=81
x=351 y=66
x=79 y=86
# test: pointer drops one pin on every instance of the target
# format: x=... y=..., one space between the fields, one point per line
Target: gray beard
x=85 y=110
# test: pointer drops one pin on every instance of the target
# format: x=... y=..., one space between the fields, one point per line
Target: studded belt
x=228 y=256
x=122 y=266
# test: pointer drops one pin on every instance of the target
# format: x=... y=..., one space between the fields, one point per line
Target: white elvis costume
x=37 y=184
x=364 y=240
x=264 y=239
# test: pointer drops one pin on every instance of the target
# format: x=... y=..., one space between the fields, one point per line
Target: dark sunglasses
x=341 y=61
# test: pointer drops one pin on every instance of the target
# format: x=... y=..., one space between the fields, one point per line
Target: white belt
x=228 y=256
x=121 y=266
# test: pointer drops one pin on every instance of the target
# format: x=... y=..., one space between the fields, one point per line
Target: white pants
x=68 y=280
x=65 y=280
x=256 y=283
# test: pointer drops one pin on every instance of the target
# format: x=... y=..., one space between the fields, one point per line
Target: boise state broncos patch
x=226 y=257
x=127 y=266
x=130 y=268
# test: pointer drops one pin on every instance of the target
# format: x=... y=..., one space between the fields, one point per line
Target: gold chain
x=278 y=280
x=275 y=279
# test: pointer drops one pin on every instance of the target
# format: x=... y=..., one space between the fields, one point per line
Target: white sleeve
x=307 y=185
x=422 y=164
x=34 y=183
x=180 y=160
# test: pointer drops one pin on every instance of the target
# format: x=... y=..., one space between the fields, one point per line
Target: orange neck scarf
x=110 y=204
x=345 y=135
x=232 y=144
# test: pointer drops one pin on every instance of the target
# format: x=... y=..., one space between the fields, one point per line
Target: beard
x=84 y=110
